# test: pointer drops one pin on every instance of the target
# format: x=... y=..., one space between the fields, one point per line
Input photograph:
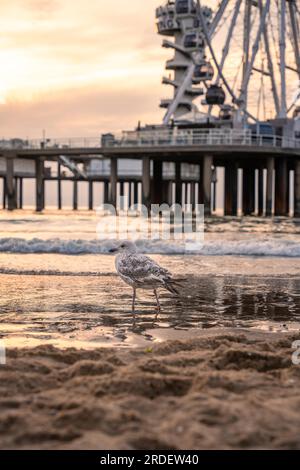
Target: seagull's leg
x=133 y=303
x=158 y=304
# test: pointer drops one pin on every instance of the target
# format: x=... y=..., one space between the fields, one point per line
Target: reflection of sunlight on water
x=96 y=311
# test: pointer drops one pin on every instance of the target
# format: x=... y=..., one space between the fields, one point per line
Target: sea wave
x=53 y=272
x=267 y=247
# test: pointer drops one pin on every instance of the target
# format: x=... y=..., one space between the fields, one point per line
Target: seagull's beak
x=113 y=250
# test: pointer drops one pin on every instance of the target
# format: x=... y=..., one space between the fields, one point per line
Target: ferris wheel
x=234 y=60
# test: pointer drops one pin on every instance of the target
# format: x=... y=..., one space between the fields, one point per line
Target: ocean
x=59 y=286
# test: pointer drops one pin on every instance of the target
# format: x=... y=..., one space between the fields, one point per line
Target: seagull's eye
x=122 y=246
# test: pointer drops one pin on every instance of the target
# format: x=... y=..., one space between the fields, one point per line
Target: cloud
x=80 y=112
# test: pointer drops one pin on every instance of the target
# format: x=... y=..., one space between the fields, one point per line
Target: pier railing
x=202 y=137
x=161 y=137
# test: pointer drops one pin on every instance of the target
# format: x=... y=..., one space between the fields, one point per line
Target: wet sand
x=223 y=390
x=88 y=311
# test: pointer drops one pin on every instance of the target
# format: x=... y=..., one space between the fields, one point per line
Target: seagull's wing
x=140 y=267
x=143 y=270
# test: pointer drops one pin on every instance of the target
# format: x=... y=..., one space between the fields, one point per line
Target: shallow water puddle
x=96 y=311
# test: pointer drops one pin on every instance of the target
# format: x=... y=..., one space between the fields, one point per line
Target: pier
x=258 y=170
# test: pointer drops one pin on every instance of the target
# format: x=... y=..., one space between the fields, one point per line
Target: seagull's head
x=124 y=246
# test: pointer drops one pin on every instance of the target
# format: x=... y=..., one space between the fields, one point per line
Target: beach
x=217 y=391
x=213 y=371
x=149 y=231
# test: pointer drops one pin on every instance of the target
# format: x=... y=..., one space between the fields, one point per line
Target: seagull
x=141 y=272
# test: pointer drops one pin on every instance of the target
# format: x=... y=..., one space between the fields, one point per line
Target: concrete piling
x=297 y=189
x=40 y=184
x=10 y=184
x=207 y=179
x=281 y=188
x=270 y=186
x=146 y=182
x=231 y=188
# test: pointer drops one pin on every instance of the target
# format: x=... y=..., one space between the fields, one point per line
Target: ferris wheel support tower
x=178 y=19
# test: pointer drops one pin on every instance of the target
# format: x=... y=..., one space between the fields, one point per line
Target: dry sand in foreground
x=217 y=391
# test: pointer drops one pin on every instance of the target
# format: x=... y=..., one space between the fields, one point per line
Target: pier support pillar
x=200 y=185
x=297 y=189
x=40 y=184
x=10 y=184
x=135 y=193
x=281 y=188
x=260 y=191
x=186 y=192
x=21 y=193
x=167 y=192
x=91 y=196
x=146 y=182
x=214 y=189
x=207 y=179
x=248 y=191
x=106 y=192
x=270 y=186
x=231 y=188
x=157 y=182
x=4 y=193
x=113 y=181
x=121 y=189
x=59 y=203
x=193 y=196
x=178 y=184
x=122 y=195
x=75 y=195
x=129 y=193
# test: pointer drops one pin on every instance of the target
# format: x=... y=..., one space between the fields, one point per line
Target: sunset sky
x=83 y=67
x=78 y=68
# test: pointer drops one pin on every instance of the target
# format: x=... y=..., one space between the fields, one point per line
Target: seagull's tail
x=172 y=285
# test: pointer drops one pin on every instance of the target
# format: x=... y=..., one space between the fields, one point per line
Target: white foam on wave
x=267 y=247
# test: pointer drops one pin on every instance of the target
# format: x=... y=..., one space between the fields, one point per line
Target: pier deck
x=266 y=163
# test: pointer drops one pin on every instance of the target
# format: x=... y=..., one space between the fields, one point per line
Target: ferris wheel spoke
x=291 y=107
x=218 y=16
x=229 y=37
x=295 y=33
x=255 y=48
x=282 y=48
x=229 y=89
x=270 y=64
x=227 y=44
x=206 y=34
